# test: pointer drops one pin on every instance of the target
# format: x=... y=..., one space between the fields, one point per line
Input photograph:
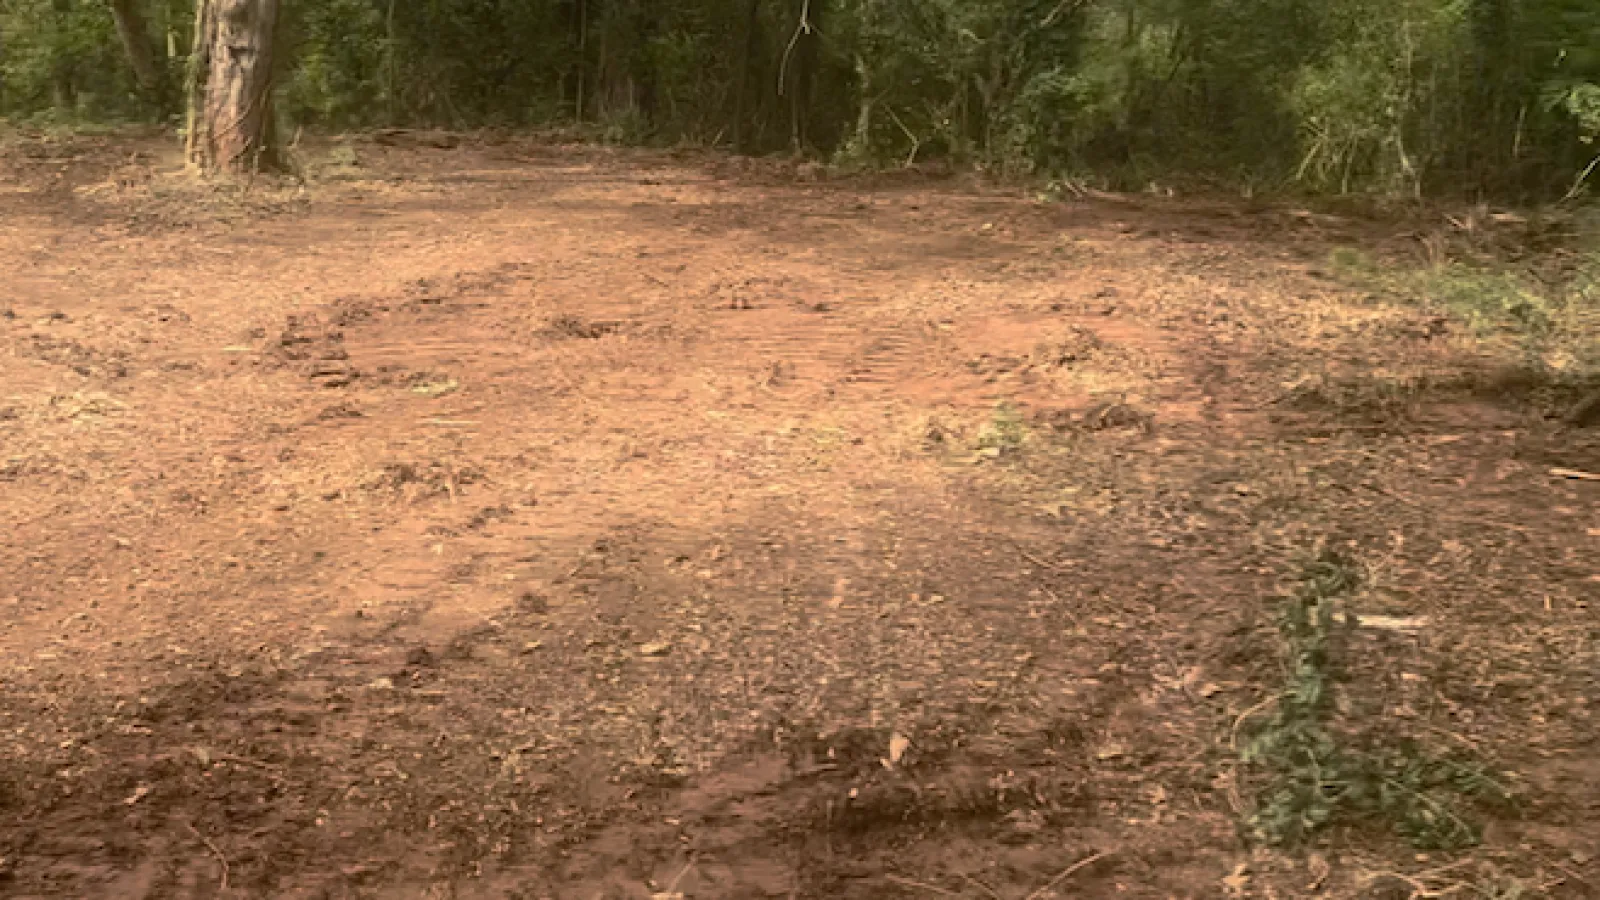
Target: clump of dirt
x=568 y=326
x=1078 y=345
x=418 y=482
x=82 y=360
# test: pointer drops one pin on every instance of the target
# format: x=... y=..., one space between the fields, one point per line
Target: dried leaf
x=1236 y=882
x=898 y=745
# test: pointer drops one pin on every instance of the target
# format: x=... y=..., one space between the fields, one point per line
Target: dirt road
x=518 y=521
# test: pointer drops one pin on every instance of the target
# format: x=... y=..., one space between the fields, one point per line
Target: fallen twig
x=271 y=771
x=246 y=761
x=1469 y=742
x=980 y=886
x=1233 y=739
x=1574 y=474
x=1420 y=890
x=672 y=888
x=906 y=882
x=1056 y=599
x=1023 y=552
x=583 y=563
x=1068 y=872
x=222 y=860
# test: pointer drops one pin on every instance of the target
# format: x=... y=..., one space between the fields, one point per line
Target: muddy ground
x=508 y=520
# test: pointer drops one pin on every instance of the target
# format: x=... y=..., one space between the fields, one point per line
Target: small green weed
x=1004 y=433
x=1318 y=776
x=1348 y=262
x=343 y=156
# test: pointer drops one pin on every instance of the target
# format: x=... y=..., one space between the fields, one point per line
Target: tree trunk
x=230 y=114
x=741 y=98
x=136 y=42
x=580 y=97
x=861 y=142
x=807 y=52
x=391 y=68
x=646 y=78
x=194 y=83
x=63 y=81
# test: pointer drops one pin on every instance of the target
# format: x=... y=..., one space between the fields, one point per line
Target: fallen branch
x=1068 y=872
x=1574 y=474
x=222 y=860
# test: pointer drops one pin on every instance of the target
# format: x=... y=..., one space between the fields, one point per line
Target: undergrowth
x=1553 y=323
x=1321 y=772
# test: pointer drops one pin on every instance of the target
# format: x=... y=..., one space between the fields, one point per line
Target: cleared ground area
x=521 y=521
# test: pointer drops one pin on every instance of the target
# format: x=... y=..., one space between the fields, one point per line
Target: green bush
x=60 y=62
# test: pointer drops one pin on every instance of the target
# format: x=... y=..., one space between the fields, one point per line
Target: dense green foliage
x=1402 y=97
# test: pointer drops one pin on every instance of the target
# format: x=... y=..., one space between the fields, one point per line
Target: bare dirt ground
x=517 y=521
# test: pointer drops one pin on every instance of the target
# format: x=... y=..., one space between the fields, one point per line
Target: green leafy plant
x=1318 y=776
x=1004 y=433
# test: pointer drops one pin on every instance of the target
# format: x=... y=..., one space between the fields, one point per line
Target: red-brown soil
x=522 y=521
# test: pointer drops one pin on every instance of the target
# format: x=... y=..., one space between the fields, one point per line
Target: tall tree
x=741 y=96
x=136 y=43
x=230 y=93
